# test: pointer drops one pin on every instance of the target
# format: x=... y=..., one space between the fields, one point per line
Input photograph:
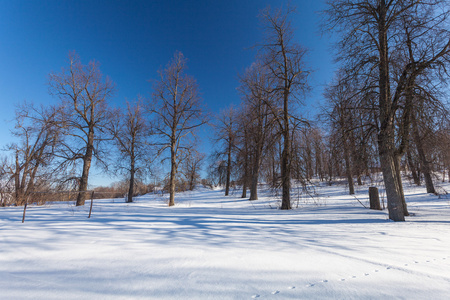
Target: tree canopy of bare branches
x=389 y=44
x=178 y=112
x=84 y=94
x=285 y=61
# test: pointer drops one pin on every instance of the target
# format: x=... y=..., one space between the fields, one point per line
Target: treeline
x=56 y=144
x=385 y=111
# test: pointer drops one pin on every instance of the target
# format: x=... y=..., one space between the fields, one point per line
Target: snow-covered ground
x=213 y=247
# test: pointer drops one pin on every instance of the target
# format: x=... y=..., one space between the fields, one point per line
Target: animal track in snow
x=352 y=276
x=255 y=296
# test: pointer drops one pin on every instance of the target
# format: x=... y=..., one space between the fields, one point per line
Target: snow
x=213 y=247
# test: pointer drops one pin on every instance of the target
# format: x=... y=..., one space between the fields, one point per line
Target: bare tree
x=285 y=61
x=256 y=86
x=131 y=132
x=84 y=95
x=340 y=118
x=226 y=135
x=179 y=112
x=38 y=134
x=191 y=168
x=372 y=40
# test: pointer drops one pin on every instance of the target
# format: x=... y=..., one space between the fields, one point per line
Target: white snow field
x=213 y=247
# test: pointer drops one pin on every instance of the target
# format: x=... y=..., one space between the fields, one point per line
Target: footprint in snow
x=416 y=262
x=291 y=287
x=343 y=279
x=325 y=280
x=376 y=270
x=275 y=292
x=353 y=276
x=310 y=284
x=406 y=265
x=255 y=296
x=388 y=268
x=366 y=274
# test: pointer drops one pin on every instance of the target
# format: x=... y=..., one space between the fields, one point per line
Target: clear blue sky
x=133 y=39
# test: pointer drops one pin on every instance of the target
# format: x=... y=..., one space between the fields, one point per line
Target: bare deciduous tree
x=256 y=89
x=131 y=132
x=285 y=61
x=373 y=40
x=179 y=112
x=191 y=168
x=84 y=95
x=38 y=134
x=226 y=134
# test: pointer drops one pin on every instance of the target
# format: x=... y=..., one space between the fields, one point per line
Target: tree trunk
x=227 y=185
x=17 y=181
x=395 y=206
x=285 y=159
x=386 y=131
x=87 y=159
x=245 y=179
x=351 y=188
x=400 y=185
x=131 y=187
x=173 y=172
x=255 y=171
x=255 y=177
x=348 y=169
x=425 y=164
x=412 y=168
x=192 y=179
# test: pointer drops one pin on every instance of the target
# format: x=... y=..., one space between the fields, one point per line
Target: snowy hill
x=213 y=247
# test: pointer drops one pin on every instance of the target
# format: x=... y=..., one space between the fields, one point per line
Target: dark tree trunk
x=18 y=193
x=255 y=171
x=285 y=159
x=425 y=164
x=348 y=169
x=173 y=172
x=87 y=159
x=227 y=185
x=351 y=188
x=412 y=168
x=131 y=187
x=245 y=179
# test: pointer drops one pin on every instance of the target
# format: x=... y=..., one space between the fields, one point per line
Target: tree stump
x=374 y=198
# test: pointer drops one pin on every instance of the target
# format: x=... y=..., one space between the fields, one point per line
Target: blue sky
x=133 y=39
